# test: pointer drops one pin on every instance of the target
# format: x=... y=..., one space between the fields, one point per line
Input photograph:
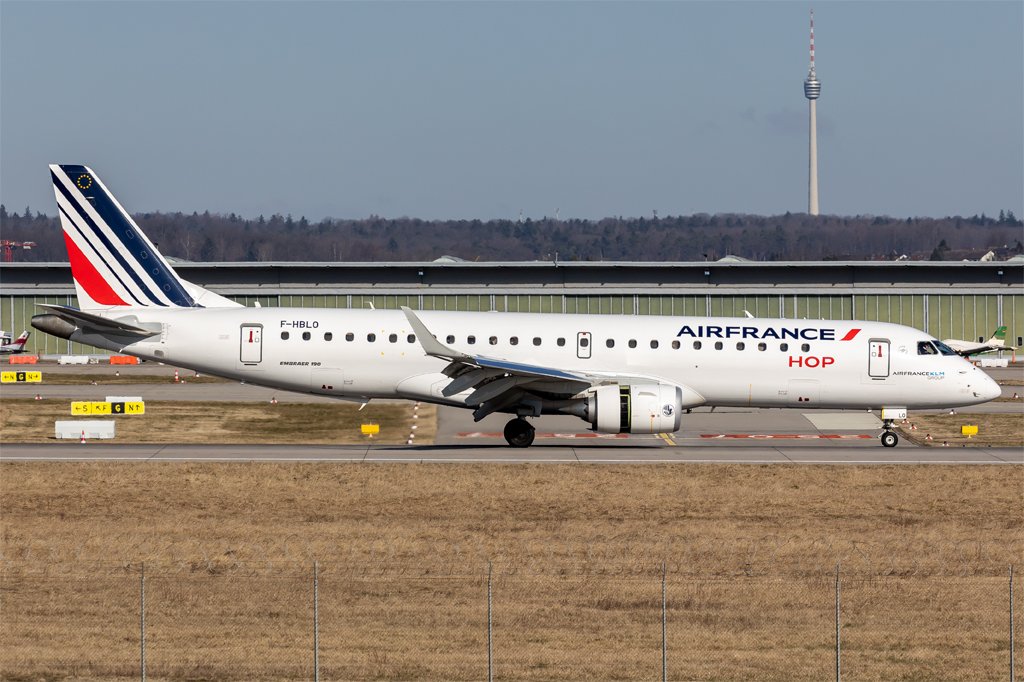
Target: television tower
x=812 y=90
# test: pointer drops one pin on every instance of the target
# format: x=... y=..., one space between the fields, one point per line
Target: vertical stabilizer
x=112 y=262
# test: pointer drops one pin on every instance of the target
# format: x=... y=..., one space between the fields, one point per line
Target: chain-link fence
x=333 y=623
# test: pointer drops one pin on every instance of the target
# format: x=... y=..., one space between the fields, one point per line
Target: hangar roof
x=575 y=277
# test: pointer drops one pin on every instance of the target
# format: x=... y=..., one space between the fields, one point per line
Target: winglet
x=431 y=346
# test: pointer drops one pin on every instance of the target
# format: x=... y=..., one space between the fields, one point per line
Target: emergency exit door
x=878 y=358
x=583 y=345
x=251 y=352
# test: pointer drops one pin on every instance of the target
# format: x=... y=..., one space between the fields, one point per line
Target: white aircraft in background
x=17 y=346
x=619 y=373
x=966 y=348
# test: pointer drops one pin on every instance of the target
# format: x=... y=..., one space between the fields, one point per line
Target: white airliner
x=966 y=348
x=16 y=346
x=619 y=373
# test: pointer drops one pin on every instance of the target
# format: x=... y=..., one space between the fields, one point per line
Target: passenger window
x=411 y=338
x=654 y=344
x=513 y=341
x=675 y=345
x=805 y=347
x=449 y=339
x=284 y=336
x=697 y=345
x=584 y=342
x=740 y=345
x=560 y=341
x=371 y=337
x=493 y=340
x=762 y=346
x=610 y=343
x=328 y=336
x=926 y=348
x=536 y=340
x=783 y=347
x=632 y=343
x=470 y=340
x=718 y=345
x=350 y=337
x=306 y=336
x=393 y=338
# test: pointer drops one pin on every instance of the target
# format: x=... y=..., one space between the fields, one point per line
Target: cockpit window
x=944 y=349
x=926 y=348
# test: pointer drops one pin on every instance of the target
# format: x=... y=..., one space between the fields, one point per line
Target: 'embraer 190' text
x=712 y=331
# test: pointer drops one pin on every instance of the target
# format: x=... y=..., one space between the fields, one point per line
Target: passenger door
x=251 y=350
x=878 y=358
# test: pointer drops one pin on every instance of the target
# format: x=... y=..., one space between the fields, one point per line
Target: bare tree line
x=792 y=236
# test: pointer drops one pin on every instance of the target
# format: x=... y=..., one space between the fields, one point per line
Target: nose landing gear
x=889 y=437
x=519 y=433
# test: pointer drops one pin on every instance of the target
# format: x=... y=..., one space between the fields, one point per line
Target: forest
x=213 y=237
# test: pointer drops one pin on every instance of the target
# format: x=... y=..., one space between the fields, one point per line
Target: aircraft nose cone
x=990 y=390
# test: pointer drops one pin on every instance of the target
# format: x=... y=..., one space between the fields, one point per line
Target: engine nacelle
x=53 y=325
x=644 y=408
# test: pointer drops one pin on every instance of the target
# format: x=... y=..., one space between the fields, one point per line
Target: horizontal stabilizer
x=97 y=323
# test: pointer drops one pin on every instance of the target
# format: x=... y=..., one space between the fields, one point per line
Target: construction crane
x=8 y=247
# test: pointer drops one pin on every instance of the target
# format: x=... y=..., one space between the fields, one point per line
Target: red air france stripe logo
x=87 y=276
x=850 y=334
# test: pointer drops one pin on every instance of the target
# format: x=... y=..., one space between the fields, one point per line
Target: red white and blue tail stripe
x=112 y=262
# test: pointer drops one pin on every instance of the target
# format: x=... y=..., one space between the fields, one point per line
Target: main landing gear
x=519 y=433
x=889 y=438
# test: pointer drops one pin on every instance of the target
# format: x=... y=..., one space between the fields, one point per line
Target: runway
x=731 y=435
x=654 y=451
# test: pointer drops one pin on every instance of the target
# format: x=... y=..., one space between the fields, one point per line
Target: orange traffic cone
x=83 y=437
x=177 y=380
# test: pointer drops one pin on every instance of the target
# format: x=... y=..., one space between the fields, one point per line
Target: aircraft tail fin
x=18 y=344
x=998 y=337
x=113 y=263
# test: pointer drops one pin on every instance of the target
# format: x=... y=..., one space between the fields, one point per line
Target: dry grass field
x=31 y=421
x=577 y=555
x=1002 y=430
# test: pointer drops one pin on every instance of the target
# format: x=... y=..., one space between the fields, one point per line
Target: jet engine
x=54 y=325
x=643 y=408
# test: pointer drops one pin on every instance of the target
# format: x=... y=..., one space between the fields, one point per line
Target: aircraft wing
x=499 y=383
x=996 y=342
x=966 y=348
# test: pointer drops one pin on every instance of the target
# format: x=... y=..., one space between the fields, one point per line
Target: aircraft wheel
x=889 y=439
x=519 y=433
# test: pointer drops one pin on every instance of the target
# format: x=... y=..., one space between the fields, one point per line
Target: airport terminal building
x=961 y=300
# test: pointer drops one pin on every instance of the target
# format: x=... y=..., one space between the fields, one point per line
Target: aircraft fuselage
x=363 y=354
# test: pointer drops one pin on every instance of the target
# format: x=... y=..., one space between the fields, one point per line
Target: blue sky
x=483 y=109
